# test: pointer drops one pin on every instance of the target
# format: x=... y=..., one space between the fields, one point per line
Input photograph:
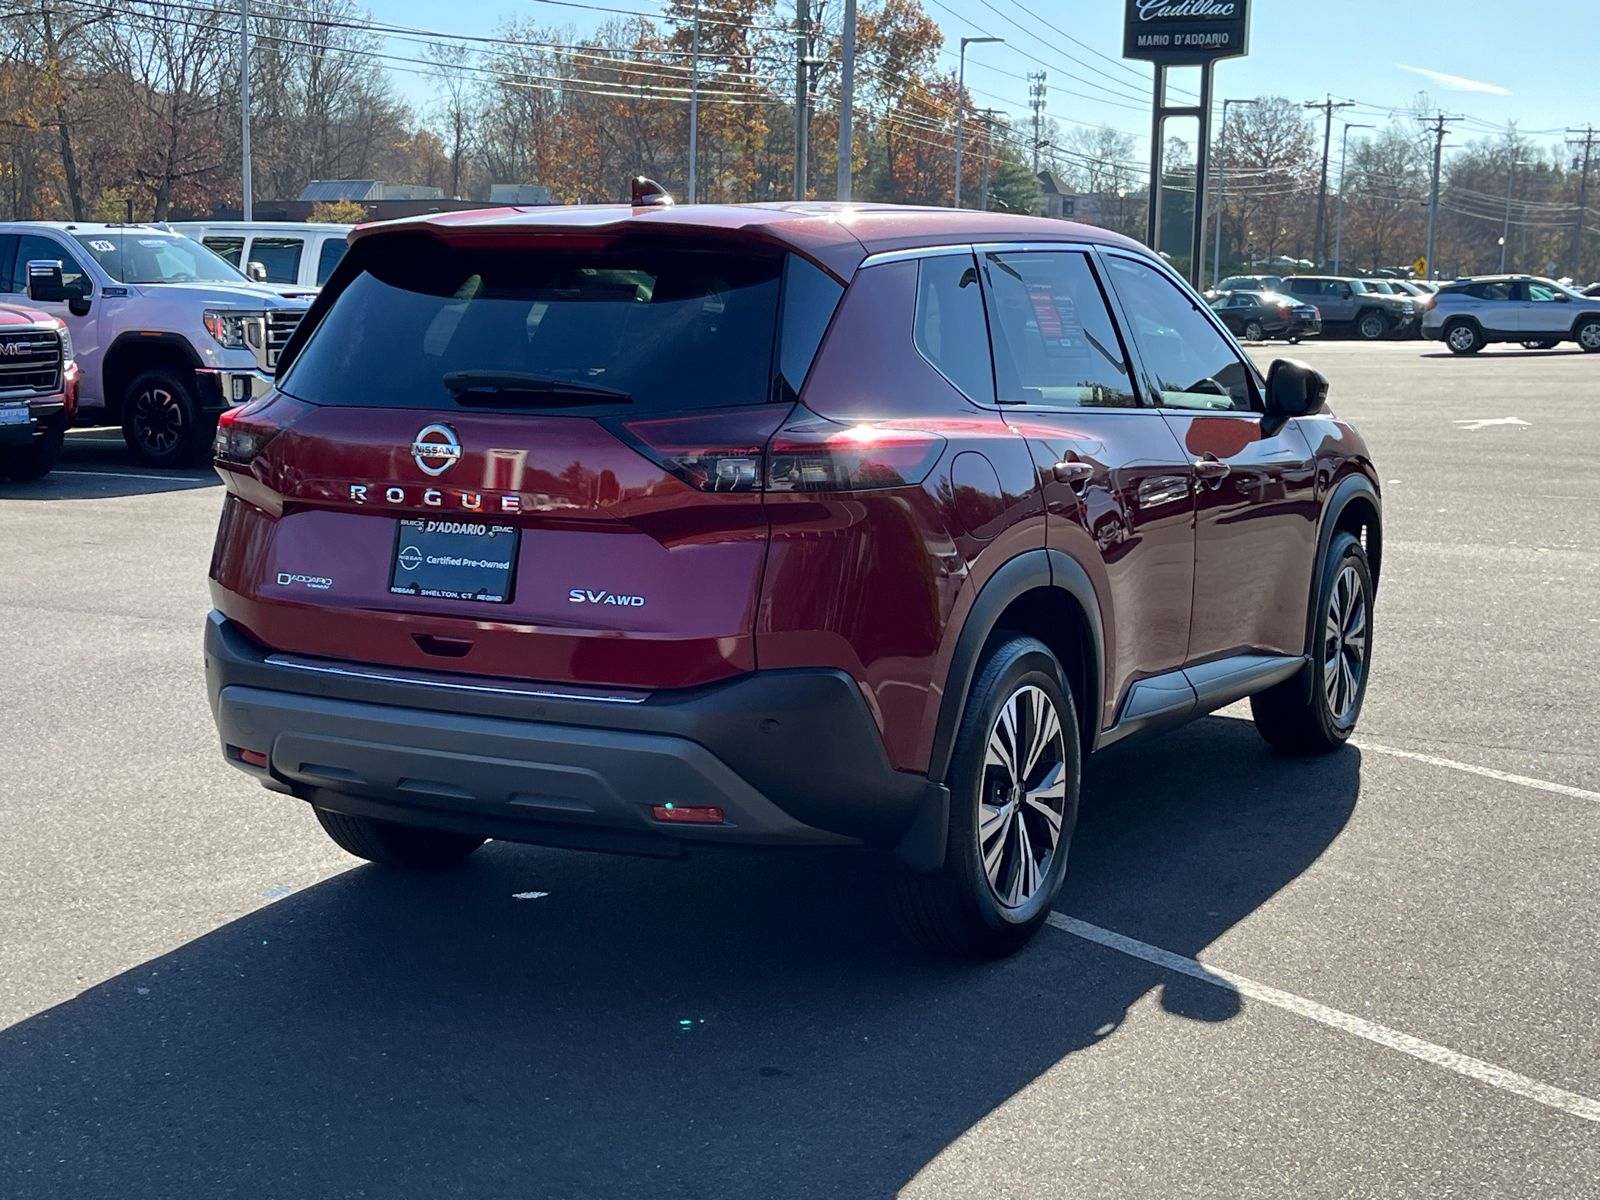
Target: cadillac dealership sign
x=1174 y=32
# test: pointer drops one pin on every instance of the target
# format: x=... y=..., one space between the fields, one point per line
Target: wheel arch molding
x=1353 y=506
x=1047 y=595
x=134 y=351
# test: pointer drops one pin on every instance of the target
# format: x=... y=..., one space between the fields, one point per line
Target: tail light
x=243 y=433
x=744 y=450
x=717 y=451
x=1427 y=305
x=816 y=455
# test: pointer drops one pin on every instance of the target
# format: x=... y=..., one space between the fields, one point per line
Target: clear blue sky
x=1531 y=61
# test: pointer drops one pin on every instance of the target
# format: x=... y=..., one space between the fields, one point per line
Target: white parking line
x=1544 y=785
x=1382 y=1035
x=130 y=475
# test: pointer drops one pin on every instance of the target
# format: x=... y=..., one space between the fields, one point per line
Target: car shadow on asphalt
x=95 y=464
x=731 y=1025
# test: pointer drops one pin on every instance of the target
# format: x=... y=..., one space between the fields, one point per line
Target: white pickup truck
x=167 y=335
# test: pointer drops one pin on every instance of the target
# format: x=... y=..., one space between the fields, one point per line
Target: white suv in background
x=1537 y=313
x=295 y=254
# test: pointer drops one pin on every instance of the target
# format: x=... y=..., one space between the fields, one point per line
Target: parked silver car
x=1537 y=313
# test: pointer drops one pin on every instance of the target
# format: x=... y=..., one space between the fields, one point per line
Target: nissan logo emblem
x=435 y=449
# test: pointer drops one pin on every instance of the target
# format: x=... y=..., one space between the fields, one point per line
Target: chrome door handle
x=1072 y=471
x=1210 y=469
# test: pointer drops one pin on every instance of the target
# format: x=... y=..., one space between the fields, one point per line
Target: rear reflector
x=688 y=815
x=252 y=758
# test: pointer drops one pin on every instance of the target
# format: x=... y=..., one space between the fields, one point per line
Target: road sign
x=1178 y=32
x=1420 y=267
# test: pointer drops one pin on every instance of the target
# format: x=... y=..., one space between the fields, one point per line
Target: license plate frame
x=15 y=414
x=444 y=559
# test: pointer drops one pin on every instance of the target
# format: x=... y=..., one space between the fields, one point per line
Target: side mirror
x=44 y=281
x=1344 y=291
x=1564 y=298
x=255 y=272
x=1294 y=389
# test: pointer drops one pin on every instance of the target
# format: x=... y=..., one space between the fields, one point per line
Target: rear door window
x=330 y=256
x=949 y=329
x=637 y=330
x=1054 y=343
x=280 y=256
x=229 y=249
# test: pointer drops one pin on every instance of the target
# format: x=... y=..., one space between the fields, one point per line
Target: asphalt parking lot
x=200 y=995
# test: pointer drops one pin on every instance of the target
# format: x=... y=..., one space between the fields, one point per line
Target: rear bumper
x=791 y=757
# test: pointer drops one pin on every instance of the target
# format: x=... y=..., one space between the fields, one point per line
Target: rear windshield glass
x=666 y=329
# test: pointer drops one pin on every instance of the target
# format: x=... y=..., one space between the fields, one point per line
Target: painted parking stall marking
x=1440 y=1056
x=1543 y=785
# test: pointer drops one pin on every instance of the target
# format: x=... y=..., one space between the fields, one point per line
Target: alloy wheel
x=1024 y=795
x=1589 y=336
x=1463 y=338
x=1344 y=647
x=1252 y=331
x=1372 y=327
x=157 y=420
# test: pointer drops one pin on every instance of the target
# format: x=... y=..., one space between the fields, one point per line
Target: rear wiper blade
x=480 y=387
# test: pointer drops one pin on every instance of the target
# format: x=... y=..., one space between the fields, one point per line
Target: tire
x=39 y=459
x=394 y=845
x=1253 y=331
x=1463 y=337
x=1546 y=344
x=1372 y=326
x=162 y=422
x=1587 y=334
x=1317 y=716
x=995 y=889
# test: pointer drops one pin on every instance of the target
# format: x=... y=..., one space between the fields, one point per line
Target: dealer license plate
x=14 y=414
x=454 y=560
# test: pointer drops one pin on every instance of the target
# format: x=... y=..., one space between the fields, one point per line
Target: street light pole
x=1338 y=225
x=1222 y=164
x=694 y=106
x=847 y=92
x=961 y=102
x=244 y=109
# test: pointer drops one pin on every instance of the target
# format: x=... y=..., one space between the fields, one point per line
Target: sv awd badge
x=584 y=596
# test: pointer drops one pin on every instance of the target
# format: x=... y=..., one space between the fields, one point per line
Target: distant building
x=519 y=193
x=1060 y=201
x=364 y=191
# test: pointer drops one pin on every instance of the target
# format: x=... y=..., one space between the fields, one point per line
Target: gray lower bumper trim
x=507 y=771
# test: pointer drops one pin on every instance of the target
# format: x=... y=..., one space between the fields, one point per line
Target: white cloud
x=1454 y=83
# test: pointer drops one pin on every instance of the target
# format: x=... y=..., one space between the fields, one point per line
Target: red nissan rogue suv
x=796 y=525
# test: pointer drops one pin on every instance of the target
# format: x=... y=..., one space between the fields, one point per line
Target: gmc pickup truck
x=167 y=335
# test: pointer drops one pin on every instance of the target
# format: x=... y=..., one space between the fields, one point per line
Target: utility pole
x=244 y=110
x=1338 y=225
x=1505 y=233
x=802 y=93
x=847 y=91
x=1583 y=200
x=1319 y=243
x=694 y=106
x=1036 y=90
x=1222 y=166
x=961 y=102
x=1439 y=131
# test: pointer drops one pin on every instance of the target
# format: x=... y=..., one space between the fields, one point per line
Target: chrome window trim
x=894 y=256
